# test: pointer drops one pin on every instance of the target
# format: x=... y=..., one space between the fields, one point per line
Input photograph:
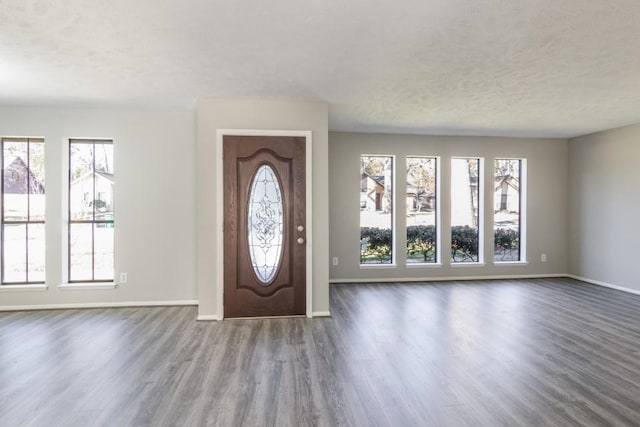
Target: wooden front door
x=264 y=226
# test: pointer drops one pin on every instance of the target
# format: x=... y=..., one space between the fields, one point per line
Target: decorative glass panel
x=265 y=224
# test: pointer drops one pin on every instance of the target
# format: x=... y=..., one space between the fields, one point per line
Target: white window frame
x=66 y=283
x=393 y=263
x=523 y=213
x=481 y=213
x=26 y=285
x=438 y=216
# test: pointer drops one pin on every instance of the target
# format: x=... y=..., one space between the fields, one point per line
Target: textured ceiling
x=486 y=67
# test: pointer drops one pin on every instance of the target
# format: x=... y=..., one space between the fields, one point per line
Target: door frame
x=220 y=134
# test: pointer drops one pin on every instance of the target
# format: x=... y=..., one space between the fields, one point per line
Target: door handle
x=300 y=240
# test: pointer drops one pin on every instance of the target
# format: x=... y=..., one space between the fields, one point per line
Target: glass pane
x=376 y=209
x=15 y=253
x=103 y=251
x=36 y=245
x=16 y=181
x=80 y=252
x=36 y=185
x=465 y=213
x=104 y=157
x=506 y=210
x=104 y=182
x=81 y=181
x=421 y=210
x=265 y=224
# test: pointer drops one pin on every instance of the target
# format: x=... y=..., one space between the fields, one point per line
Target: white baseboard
x=605 y=284
x=214 y=317
x=207 y=317
x=448 y=279
x=321 y=314
x=97 y=305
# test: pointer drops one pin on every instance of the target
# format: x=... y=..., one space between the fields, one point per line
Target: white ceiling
x=485 y=67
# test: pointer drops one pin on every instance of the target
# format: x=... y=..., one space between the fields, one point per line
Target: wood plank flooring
x=493 y=353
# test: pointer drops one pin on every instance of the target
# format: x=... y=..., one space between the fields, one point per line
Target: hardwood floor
x=496 y=353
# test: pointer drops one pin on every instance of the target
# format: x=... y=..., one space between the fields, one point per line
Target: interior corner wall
x=154 y=158
x=546 y=213
x=604 y=178
x=214 y=114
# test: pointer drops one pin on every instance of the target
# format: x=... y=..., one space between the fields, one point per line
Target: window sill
x=22 y=288
x=508 y=263
x=424 y=265
x=377 y=266
x=82 y=286
x=468 y=264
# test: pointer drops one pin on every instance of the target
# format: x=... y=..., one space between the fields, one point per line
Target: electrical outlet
x=123 y=277
x=543 y=257
x=335 y=260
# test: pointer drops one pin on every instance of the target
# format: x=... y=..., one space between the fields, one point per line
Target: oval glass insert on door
x=265 y=224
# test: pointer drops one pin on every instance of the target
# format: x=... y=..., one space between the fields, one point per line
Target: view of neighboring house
x=19 y=182
x=81 y=195
x=506 y=194
x=372 y=193
x=420 y=200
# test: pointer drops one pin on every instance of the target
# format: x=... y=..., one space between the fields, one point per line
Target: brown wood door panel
x=245 y=295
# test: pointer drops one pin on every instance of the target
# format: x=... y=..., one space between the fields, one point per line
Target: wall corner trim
x=604 y=284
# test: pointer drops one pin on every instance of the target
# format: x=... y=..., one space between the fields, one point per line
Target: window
x=466 y=205
x=422 y=210
x=376 y=210
x=23 y=211
x=506 y=210
x=91 y=219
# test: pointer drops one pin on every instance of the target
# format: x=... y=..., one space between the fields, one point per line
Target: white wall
x=604 y=186
x=155 y=198
x=214 y=114
x=547 y=205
